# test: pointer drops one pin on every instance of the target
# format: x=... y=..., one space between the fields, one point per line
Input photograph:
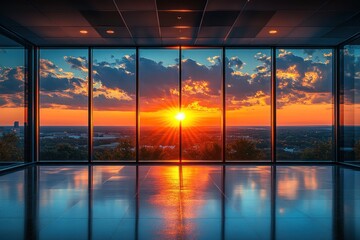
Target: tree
x=151 y=153
x=123 y=151
x=321 y=150
x=244 y=149
x=10 y=148
x=63 y=151
x=210 y=151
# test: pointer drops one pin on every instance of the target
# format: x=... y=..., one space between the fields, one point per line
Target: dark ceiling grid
x=232 y=26
x=179 y=20
x=208 y=22
x=314 y=12
x=158 y=20
x=127 y=27
x=181 y=5
x=346 y=28
x=201 y=21
x=250 y=23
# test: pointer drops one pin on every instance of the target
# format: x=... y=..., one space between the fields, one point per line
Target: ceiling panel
x=238 y=41
x=254 y=18
x=356 y=41
x=24 y=32
x=309 y=32
x=138 y=5
x=354 y=21
x=25 y=15
x=308 y=41
x=103 y=18
x=281 y=32
x=341 y=5
x=181 y=4
x=119 y=41
x=176 y=41
x=48 y=32
x=245 y=32
x=117 y=32
x=327 y=19
x=66 y=18
x=145 y=32
x=74 y=32
x=172 y=19
x=84 y=5
x=69 y=41
x=288 y=18
x=213 y=32
x=273 y=5
x=225 y=5
x=148 y=41
x=141 y=18
x=209 y=41
x=172 y=32
x=219 y=18
x=344 y=32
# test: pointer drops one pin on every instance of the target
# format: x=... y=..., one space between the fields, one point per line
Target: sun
x=180 y=116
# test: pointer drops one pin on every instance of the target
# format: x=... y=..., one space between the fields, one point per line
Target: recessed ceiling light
x=273 y=31
x=110 y=31
x=179 y=17
x=83 y=31
x=182 y=27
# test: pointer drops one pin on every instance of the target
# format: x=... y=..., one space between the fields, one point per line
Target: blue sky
x=12 y=57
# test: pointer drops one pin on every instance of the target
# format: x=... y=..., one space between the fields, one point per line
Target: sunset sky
x=304 y=87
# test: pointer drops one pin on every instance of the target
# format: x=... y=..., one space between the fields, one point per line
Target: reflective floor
x=188 y=202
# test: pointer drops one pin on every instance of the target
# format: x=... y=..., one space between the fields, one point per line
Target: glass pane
x=248 y=104
x=158 y=104
x=114 y=104
x=201 y=104
x=12 y=105
x=304 y=81
x=350 y=105
x=63 y=104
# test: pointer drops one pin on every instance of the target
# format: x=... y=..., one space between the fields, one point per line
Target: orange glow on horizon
x=10 y=115
x=291 y=115
x=305 y=115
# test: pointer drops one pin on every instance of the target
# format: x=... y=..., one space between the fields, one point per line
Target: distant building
x=16 y=124
x=290 y=150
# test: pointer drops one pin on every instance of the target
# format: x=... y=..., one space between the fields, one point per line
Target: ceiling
x=182 y=22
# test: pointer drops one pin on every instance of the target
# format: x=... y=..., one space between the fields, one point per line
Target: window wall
x=63 y=104
x=304 y=104
x=349 y=105
x=13 y=117
x=166 y=111
x=248 y=104
x=158 y=104
x=114 y=104
x=201 y=99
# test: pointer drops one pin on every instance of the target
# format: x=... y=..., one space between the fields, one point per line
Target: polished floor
x=188 y=202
